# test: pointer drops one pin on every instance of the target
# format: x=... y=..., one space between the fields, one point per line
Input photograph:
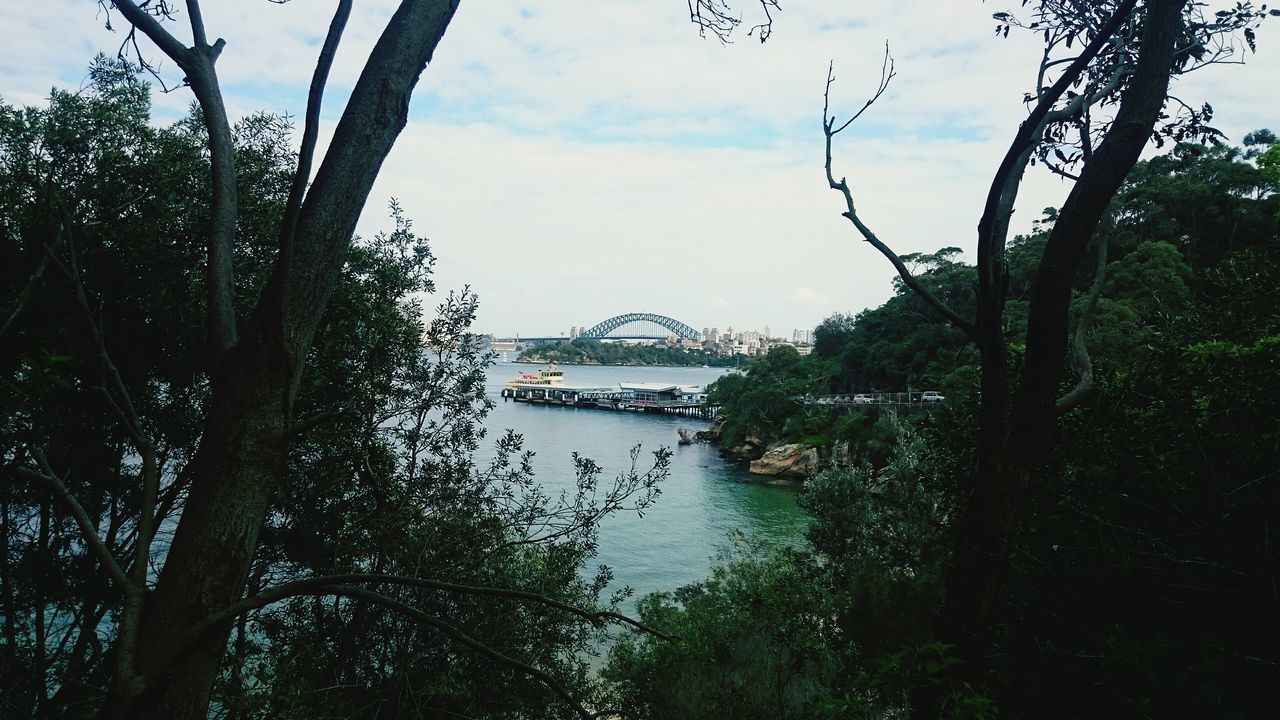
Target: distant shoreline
x=600 y=364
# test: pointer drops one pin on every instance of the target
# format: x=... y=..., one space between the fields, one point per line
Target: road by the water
x=702 y=501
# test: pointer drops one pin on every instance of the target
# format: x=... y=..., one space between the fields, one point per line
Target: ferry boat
x=548 y=377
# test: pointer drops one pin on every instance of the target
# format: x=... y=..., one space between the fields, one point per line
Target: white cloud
x=592 y=160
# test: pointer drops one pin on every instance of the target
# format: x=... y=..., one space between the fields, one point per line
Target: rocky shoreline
x=784 y=461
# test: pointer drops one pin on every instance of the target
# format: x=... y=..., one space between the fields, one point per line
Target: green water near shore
x=702 y=501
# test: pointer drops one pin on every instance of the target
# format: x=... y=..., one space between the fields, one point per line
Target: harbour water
x=702 y=500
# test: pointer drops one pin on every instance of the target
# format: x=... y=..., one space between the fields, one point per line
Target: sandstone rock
x=792 y=461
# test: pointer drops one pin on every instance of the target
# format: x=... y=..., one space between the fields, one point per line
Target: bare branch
x=308 y=585
x=717 y=16
x=309 y=423
x=765 y=29
x=319 y=587
x=1081 y=102
x=25 y=294
x=1061 y=171
x=46 y=476
x=462 y=638
x=311 y=125
x=123 y=407
x=198 y=63
x=1080 y=360
x=887 y=73
x=993 y=228
x=829 y=129
x=197 y=23
x=151 y=27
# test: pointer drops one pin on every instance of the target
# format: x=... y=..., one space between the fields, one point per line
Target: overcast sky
x=572 y=161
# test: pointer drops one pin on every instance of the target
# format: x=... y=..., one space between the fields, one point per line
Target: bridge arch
x=616 y=322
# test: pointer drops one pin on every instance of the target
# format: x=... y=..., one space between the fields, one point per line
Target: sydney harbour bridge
x=628 y=326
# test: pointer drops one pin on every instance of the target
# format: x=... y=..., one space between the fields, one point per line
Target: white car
x=931 y=396
x=861 y=399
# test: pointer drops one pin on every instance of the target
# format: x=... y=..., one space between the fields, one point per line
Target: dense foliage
x=1144 y=565
x=1144 y=568
x=755 y=640
x=99 y=203
x=594 y=352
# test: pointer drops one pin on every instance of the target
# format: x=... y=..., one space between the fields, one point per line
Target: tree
x=1123 y=57
x=754 y=641
x=1140 y=576
x=379 y=488
x=256 y=364
x=200 y=436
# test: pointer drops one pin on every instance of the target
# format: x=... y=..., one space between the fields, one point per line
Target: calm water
x=702 y=500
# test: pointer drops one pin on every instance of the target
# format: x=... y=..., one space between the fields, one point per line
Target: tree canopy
x=390 y=564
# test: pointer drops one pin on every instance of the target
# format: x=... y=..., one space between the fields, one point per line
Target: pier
x=668 y=399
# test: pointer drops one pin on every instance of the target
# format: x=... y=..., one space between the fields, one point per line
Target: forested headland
x=1141 y=575
x=594 y=352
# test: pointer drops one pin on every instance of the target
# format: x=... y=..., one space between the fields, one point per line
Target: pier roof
x=570 y=388
x=660 y=387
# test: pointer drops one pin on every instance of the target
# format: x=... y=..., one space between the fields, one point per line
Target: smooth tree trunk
x=244 y=443
x=1015 y=431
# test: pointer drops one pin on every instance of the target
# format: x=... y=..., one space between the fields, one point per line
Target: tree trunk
x=1012 y=445
x=243 y=447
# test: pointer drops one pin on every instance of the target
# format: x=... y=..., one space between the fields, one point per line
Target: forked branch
x=311 y=125
x=341 y=586
x=994 y=226
x=308 y=585
x=464 y=639
x=116 y=395
x=830 y=129
x=46 y=476
x=198 y=64
x=718 y=17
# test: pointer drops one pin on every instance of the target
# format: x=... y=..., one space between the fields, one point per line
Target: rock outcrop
x=751 y=448
x=713 y=433
x=789 y=462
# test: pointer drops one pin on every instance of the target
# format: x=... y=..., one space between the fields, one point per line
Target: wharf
x=636 y=397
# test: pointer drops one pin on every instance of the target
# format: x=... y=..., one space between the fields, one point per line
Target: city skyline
x=794 y=335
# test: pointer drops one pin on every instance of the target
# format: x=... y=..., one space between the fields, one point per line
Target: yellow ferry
x=549 y=376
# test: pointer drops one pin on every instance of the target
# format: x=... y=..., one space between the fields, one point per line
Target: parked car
x=932 y=396
x=861 y=399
